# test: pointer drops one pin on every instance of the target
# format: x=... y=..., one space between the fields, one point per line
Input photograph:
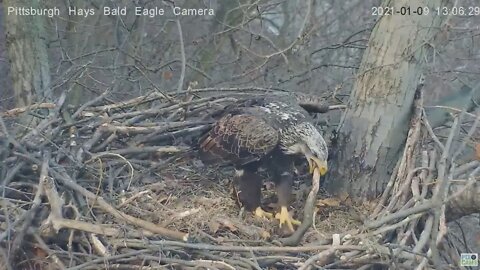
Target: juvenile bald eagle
x=266 y=132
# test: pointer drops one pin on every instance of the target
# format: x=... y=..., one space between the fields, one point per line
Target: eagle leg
x=284 y=190
x=249 y=192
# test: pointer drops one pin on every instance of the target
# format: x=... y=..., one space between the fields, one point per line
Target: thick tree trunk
x=27 y=52
x=375 y=125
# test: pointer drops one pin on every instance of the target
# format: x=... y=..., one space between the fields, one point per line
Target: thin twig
x=442 y=189
x=183 y=57
x=18 y=240
x=118 y=214
x=17 y=111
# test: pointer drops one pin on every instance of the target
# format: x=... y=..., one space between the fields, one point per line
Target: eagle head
x=311 y=144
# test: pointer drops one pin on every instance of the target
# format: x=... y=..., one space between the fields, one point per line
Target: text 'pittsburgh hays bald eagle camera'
x=268 y=132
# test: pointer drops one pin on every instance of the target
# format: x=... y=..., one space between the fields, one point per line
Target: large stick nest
x=118 y=186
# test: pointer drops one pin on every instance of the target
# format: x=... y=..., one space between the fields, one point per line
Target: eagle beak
x=314 y=162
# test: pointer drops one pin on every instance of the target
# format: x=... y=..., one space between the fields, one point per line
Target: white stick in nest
x=308 y=213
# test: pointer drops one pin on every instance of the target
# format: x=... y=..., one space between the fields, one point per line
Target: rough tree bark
x=375 y=124
x=27 y=52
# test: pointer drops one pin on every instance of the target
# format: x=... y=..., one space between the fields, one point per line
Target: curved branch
x=308 y=212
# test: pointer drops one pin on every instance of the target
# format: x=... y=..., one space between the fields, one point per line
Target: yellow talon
x=284 y=217
x=262 y=214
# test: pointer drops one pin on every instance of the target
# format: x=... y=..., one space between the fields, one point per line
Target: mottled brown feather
x=240 y=139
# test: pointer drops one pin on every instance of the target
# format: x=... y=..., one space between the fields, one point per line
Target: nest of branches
x=117 y=185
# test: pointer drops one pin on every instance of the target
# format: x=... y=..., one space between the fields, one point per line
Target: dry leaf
x=369 y=204
x=167 y=75
x=228 y=224
x=265 y=235
x=477 y=151
x=328 y=202
x=188 y=213
x=213 y=226
x=39 y=253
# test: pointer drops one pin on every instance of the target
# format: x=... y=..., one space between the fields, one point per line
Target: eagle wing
x=238 y=139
